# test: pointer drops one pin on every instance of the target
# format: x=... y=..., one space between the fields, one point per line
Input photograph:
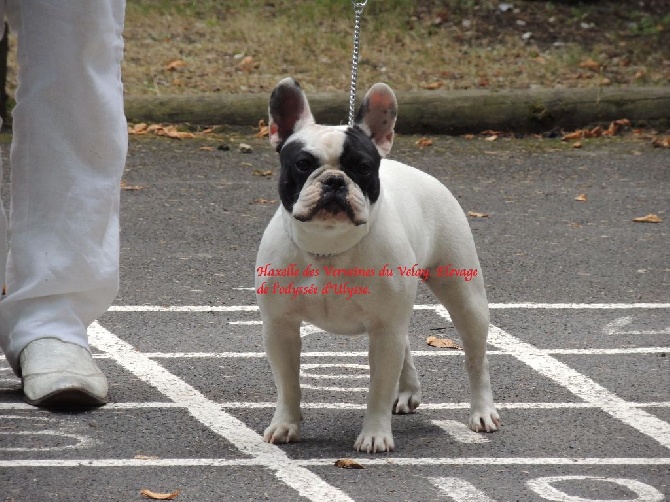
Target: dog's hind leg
x=466 y=303
x=409 y=388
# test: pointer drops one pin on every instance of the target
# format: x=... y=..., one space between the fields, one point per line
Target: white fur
x=416 y=220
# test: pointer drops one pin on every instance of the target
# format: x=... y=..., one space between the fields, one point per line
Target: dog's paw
x=407 y=402
x=484 y=420
x=373 y=442
x=282 y=432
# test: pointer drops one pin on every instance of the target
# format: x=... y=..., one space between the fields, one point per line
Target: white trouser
x=69 y=145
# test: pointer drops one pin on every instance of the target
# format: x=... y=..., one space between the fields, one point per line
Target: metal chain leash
x=358 y=11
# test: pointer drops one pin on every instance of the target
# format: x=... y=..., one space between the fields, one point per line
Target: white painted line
x=363 y=371
x=616 y=327
x=460 y=432
x=318 y=462
x=415 y=353
x=494 y=306
x=210 y=414
x=246 y=322
x=370 y=461
x=460 y=490
x=543 y=487
x=344 y=406
x=582 y=386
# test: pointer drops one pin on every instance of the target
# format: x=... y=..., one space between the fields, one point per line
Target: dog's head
x=329 y=180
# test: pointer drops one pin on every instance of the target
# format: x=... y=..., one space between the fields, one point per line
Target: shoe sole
x=68 y=399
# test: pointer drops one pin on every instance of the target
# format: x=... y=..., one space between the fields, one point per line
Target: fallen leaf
x=264 y=201
x=442 y=343
x=590 y=64
x=424 y=142
x=472 y=214
x=145 y=457
x=262 y=172
x=159 y=496
x=596 y=132
x=248 y=64
x=650 y=218
x=125 y=186
x=207 y=148
x=244 y=148
x=662 y=142
x=493 y=137
x=138 y=129
x=578 y=134
x=173 y=65
x=578 y=144
x=263 y=130
x=433 y=86
x=581 y=197
x=348 y=463
x=469 y=136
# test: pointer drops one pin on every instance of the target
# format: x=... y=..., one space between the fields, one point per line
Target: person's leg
x=67 y=158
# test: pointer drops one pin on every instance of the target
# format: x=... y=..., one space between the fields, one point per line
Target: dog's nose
x=334 y=183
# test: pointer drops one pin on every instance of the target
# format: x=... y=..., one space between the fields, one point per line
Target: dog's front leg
x=387 y=352
x=282 y=346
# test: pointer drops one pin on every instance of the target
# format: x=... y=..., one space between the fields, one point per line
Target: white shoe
x=58 y=374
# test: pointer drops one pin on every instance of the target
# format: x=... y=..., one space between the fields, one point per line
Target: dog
x=353 y=236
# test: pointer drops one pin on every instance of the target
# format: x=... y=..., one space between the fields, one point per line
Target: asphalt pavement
x=578 y=342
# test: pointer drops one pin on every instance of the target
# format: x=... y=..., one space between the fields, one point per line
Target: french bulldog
x=353 y=236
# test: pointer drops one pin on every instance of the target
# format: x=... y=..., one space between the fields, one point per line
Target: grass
x=242 y=46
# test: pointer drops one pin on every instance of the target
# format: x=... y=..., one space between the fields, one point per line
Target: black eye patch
x=296 y=166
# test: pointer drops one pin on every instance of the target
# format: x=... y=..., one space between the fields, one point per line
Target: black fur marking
x=360 y=160
x=296 y=166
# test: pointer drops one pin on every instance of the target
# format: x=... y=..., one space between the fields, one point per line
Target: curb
x=435 y=112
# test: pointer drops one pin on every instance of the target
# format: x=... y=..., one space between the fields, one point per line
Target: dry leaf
x=493 y=137
x=578 y=144
x=348 y=463
x=581 y=197
x=442 y=343
x=662 y=142
x=262 y=172
x=433 y=86
x=264 y=201
x=207 y=148
x=263 y=130
x=424 y=142
x=159 y=496
x=145 y=457
x=650 y=218
x=578 y=134
x=473 y=214
x=248 y=64
x=125 y=186
x=590 y=64
x=173 y=65
x=138 y=129
x=469 y=136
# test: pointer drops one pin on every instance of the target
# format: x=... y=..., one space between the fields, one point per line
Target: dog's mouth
x=331 y=207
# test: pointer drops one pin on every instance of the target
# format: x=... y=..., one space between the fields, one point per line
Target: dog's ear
x=289 y=111
x=377 y=115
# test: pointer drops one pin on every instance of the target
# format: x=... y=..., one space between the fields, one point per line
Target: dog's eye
x=364 y=169
x=303 y=165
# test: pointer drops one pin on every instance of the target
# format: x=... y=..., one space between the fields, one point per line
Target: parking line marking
x=460 y=490
x=210 y=414
x=348 y=406
x=460 y=432
x=582 y=386
x=493 y=306
x=319 y=462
